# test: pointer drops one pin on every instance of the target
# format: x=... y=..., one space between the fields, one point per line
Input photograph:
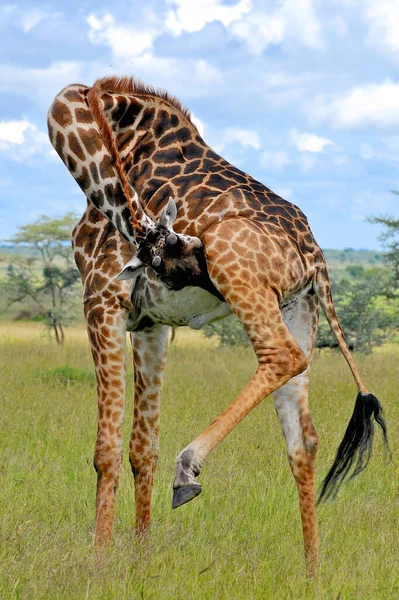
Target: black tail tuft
x=356 y=446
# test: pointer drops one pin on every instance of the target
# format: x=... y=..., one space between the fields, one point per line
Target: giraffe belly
x=192 y=306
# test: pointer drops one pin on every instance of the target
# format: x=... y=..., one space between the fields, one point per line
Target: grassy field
x=241 y=538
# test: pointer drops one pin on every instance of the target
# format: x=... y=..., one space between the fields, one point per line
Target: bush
x=29 y=314
x=67 y=375
x=229 y=332
x=367 y=316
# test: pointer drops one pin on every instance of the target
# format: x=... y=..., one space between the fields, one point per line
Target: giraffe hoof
x=184 y=494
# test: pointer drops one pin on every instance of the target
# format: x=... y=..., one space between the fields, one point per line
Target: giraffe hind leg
x=291 y=403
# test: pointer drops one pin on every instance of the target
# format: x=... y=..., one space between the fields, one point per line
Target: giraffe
x=226 y=243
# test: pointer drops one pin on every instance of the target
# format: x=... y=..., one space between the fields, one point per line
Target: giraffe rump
x=356 y=446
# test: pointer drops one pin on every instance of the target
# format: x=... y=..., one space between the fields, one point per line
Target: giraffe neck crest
x=139 y=219
x=131 y=85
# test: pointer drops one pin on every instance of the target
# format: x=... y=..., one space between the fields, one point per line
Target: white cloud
x=284 y=192
x=258 y=28
x=386 y=149
x=39 y=84
x=274 y=160
x=200 y=125
x=292 y=20
x=173 y=74
x=390 y=148
x=243 y=137
x=277 y=80
x=12 y=132
x=31 y=18
x=233 y=143
x=375 y=105
x=366 y=151
x=309 y=142
x=382 y=17
x=281 y=88
x=125 y=40
x=26 y=18
x=21 y=139
x=306 y=162
x=132 y=48
x=339 y=26
x=193 y=15
x=205 y=74
x=367 y=203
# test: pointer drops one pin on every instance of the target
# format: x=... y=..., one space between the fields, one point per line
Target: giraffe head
x=178 y=259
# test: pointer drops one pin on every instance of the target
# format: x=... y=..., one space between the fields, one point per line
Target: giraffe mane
x=131 y=85
x=124 y=85
x=94 y=101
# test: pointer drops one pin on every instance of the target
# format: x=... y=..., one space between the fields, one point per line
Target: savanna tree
x=47 y=275
x=368 y=312
x=390 y=240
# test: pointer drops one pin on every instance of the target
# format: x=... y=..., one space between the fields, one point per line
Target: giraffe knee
x=299 y=361
x=309 y=435
x=107 y=460
x=143 y=463
x=302 y=466
x=311 y=442
x=286 y=361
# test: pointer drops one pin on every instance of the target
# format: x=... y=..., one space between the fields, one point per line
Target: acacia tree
x=367 y=311
x=390 y=240
x=47 y=276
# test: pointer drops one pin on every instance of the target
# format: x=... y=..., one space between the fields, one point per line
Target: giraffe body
x=190 y=306
x=130 y=148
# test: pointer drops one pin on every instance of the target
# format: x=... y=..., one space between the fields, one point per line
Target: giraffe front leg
x=107 y=335
x=235 y=251
x=241 y=256
x=149 y=357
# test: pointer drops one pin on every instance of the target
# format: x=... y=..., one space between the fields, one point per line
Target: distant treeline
x=359 y=257
x=347 y=255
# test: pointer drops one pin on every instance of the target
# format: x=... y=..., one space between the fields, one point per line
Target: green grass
x=240 y=538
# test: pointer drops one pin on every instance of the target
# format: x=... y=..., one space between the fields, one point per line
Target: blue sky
x=301 y=94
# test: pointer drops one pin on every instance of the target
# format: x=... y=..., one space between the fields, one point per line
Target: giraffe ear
x=168 y=214
x=131 y=269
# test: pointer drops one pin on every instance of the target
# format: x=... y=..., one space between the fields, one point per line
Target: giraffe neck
x=82 y=137
x=155 y=142
x=163 y=155
x=140 y=222
x=136 y=138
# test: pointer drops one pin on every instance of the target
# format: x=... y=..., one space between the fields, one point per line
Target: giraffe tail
x=355 y=450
